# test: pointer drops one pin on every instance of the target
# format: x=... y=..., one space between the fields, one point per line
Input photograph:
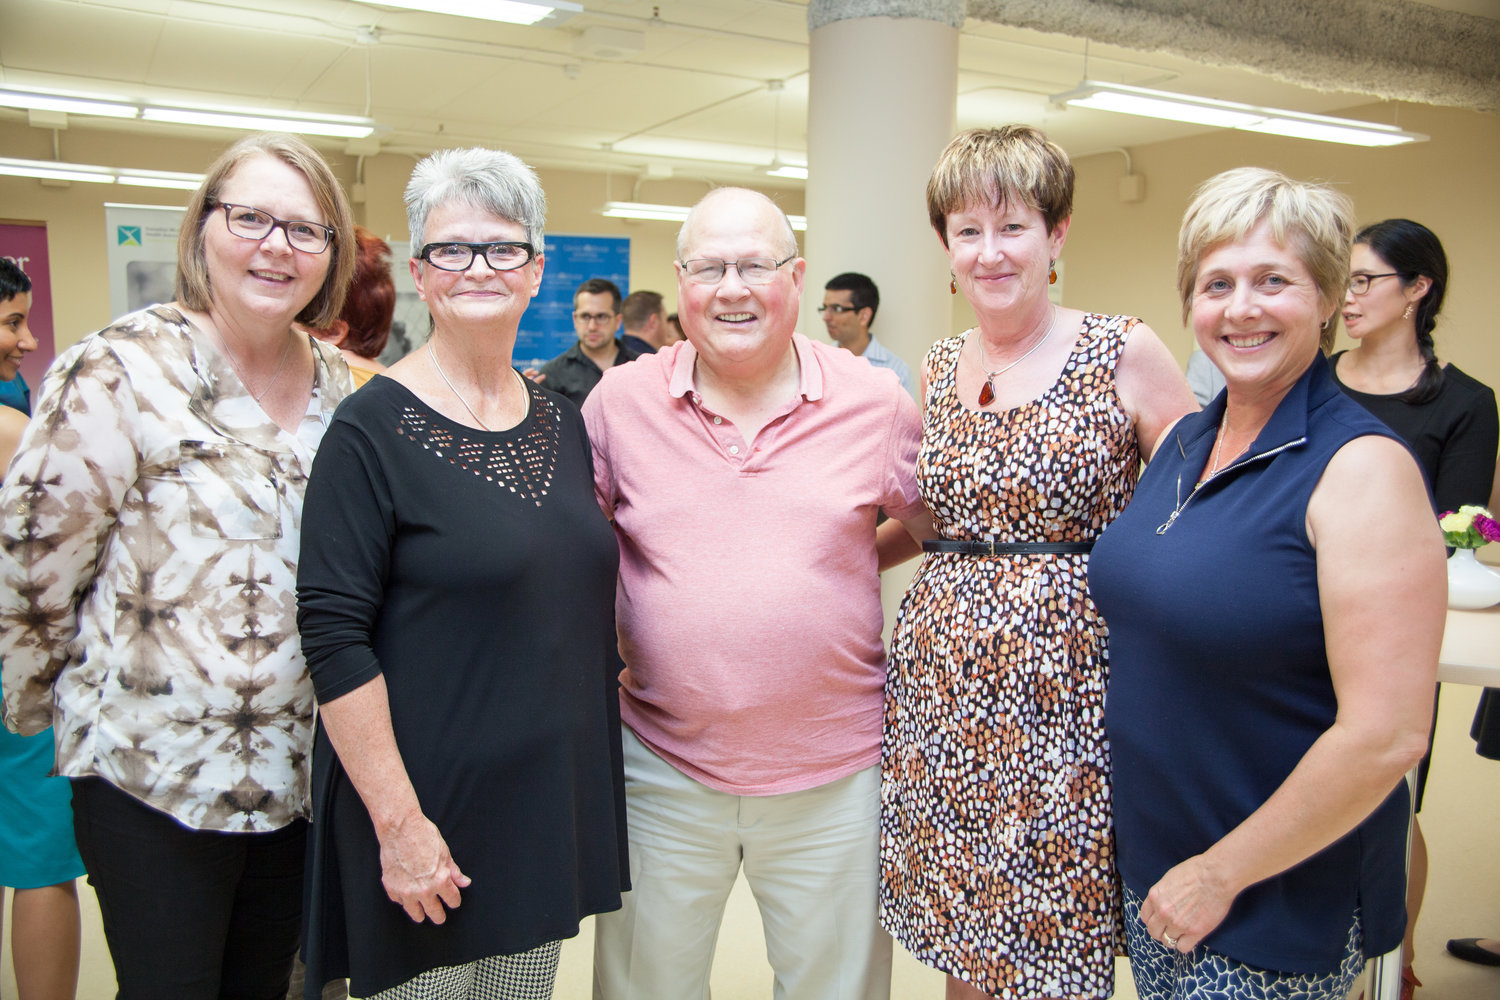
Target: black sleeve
x=348 y=525
x=1466 y=468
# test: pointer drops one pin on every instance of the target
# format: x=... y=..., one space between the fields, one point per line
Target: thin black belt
x=990 y=547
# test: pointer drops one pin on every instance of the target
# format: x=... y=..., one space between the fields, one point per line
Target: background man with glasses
x=850 y=301
x=744 y=470
x=596 y=319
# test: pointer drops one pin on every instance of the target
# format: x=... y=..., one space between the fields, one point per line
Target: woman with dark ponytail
x=1397 y=279
x=1398 y=274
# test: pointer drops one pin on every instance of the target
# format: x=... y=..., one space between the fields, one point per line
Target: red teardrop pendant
x=986 y=394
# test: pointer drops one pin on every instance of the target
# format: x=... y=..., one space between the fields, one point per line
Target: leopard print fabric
x=997 y=859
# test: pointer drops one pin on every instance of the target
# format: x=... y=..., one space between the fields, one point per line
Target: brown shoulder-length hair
x=192 y=286
x=1013 y=164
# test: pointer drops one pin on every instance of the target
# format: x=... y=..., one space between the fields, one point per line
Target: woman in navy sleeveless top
x=1275 y=600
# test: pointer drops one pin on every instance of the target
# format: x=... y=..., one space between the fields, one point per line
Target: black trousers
x=190 y=914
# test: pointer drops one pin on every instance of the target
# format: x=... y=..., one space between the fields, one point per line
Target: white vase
x=1471 y=584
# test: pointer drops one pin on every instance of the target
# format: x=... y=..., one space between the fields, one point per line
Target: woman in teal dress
x=38 y=858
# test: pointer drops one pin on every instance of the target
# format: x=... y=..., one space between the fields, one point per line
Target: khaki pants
x=811 y=858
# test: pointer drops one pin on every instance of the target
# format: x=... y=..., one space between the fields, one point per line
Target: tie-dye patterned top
x=150 y=525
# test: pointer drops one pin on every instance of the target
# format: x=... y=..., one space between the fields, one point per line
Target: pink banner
x=27 y=246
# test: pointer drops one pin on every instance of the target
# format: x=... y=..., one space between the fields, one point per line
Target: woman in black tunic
x=1398 y=277
x=456 y=602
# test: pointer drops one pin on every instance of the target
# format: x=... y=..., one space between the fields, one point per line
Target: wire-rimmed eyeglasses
x=753 y=270
x=250 y=223
x=502 y=255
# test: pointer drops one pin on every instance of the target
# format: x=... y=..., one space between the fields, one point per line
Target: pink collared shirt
x=749 y=598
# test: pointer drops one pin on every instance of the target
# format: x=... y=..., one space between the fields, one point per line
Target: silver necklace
x=241 y=372
x=987 y=393
x=452 y=388
x=1213 y=470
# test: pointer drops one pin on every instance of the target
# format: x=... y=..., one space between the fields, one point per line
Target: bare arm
x=1382 y=588
x=1151 y=388
x=12 y=423
x=416 y=869
x=898 y=541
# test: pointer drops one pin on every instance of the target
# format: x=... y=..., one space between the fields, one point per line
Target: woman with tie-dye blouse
x=151 y=526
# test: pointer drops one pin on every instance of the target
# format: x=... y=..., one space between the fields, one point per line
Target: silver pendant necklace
x=453 y=389
x=1213 y=470
x=987 y=393
x=241 y=372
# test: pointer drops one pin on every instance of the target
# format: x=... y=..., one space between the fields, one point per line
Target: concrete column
x=883 y=88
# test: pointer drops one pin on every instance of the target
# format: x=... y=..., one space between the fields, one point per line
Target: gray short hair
x=487 y=179
x=787 y=249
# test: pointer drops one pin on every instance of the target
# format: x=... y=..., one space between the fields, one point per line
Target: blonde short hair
x=192 y=285
x=1312 y=220
x=1013 y=164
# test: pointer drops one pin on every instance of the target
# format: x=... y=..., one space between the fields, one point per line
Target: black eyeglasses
x=504 y=255
x=753 y=270
x=838 y=310
x=589 y=319
x=1360 y=283
x=253 y=224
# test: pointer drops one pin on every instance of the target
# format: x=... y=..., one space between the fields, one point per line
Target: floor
x=1461 y=818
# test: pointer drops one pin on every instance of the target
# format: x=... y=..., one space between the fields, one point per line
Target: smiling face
x=263 y=280
x=16 y=340
x=1001 y=255
x=1381 y=309
x=734 y=326
x=1256 y=313
x=480 y=299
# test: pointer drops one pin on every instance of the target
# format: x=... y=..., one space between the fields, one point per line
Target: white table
x=1471 y=648
x=1470 y=655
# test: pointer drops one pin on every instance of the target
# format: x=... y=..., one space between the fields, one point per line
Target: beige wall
x=1119 y=258
x=75 y=214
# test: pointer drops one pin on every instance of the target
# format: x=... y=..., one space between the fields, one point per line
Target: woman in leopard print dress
x=996 y=856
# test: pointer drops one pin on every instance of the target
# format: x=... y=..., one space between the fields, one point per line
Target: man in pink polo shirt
x=744 y=470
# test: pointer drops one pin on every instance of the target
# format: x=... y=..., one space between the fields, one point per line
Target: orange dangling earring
x=952 y=283
x=1052 y=272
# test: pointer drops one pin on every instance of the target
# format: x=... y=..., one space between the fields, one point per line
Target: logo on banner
x=128 y=236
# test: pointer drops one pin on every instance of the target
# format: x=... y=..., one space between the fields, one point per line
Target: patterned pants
x=1163 y=973
x=526 y=976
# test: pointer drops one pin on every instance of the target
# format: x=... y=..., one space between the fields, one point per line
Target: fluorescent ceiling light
x=159 y=179
x=792 y=170
x=508 y=11
x=668 y=213
x=77 y=105
x=642 y=210
x=48 y=170
x=1335 y=130
x=1231 y=114
x=91 y=174
x=343 y=126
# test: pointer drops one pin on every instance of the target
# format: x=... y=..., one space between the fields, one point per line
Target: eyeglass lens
x=752 y=270
x=253 y=224
x=500 y=256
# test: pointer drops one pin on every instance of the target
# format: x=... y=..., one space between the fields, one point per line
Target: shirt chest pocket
x=232 y=490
